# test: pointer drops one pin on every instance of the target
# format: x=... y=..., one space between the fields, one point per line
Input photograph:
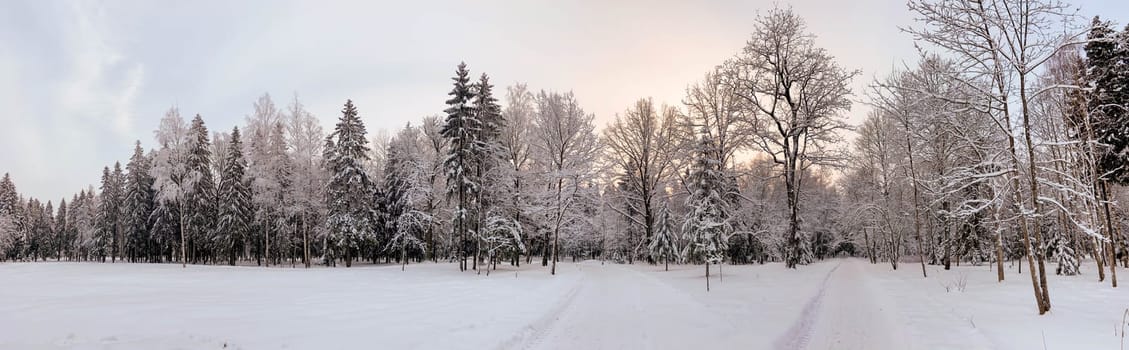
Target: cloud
x=102 y=84
x=69 y=97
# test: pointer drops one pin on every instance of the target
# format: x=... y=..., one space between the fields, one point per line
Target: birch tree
x=170 y=170
x=1004 y=42
x=567 y=146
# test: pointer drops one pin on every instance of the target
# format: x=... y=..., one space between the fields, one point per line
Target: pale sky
x=81 y=80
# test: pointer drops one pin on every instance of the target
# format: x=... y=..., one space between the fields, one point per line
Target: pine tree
x=138 y=202
x=165 y=232
x=462 y=130
x=46 y=236
x=235 y=210
x=9 y=217
x=33 y=221
x=350 y=219
x=199 y=203
x=1107 y=74
x=1067 y=259
x=707 y=225
x=118 y=248
x=393 y=197
x=488 y=157
x=109 y=208
x=663 y=245
x=71 y=232
x=1107 y=56
x=61 y=229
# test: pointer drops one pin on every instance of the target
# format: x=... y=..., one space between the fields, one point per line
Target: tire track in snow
x=799 y=334
x=621 y=308
x=532 y=335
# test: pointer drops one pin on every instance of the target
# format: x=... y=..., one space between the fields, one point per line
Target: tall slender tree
x=138 y=202
x=462 y=130
x=349 y=193
x=235 y=210
x=798 y=95
x=200 y=191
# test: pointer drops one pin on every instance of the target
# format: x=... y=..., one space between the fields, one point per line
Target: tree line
x=1006 y=141
x=494 y=179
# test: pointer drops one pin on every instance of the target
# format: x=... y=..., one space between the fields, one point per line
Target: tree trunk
x=999 y=255
x=1034 y=186
x=306 y=242
x=707 y=275
x=916 y=197
x=183 y=240
x=556 y=241
x=948 y=239
x=866 y=245
x=266 y=246
x=1112 y=234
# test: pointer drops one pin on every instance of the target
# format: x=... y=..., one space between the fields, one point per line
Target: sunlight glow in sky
x=81 y=80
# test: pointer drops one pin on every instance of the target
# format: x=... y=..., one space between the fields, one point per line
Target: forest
x=1006 y=141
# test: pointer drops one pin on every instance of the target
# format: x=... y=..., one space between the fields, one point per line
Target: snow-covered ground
x=838 y=304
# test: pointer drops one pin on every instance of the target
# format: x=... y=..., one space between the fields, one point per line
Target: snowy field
x=838 y=304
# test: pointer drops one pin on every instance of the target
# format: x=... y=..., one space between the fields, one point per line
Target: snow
x=835 y=304
x=142 y=306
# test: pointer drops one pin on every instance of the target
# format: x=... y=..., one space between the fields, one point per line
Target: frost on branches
x=707 y=225
x=351 y=219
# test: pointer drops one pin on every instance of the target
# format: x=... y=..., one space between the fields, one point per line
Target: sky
x=80 y=81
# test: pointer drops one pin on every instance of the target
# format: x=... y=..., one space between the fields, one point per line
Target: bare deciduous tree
x=797 y=94
x=641 y=144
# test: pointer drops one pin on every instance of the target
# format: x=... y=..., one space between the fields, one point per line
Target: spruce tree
x=392 y=198
x=663 y=245
x=61 y=229
x=235 y=210
x=350 y=190
x=707 y=225
x=138 y=202
x=462 y=130
x=488 y=155
x=118 y=249
x=71 y=233
x=46 y=237
x=108 y=204
x=9 y=198
x=9 y=217
x=1107 y=58
x=199 y=186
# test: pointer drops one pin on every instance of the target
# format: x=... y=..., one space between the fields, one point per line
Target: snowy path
x=854 y=314
x=798 y=335
x=621 y=308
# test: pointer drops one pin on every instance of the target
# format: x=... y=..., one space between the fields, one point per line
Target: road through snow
x=621 y=308
x=853 y=314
